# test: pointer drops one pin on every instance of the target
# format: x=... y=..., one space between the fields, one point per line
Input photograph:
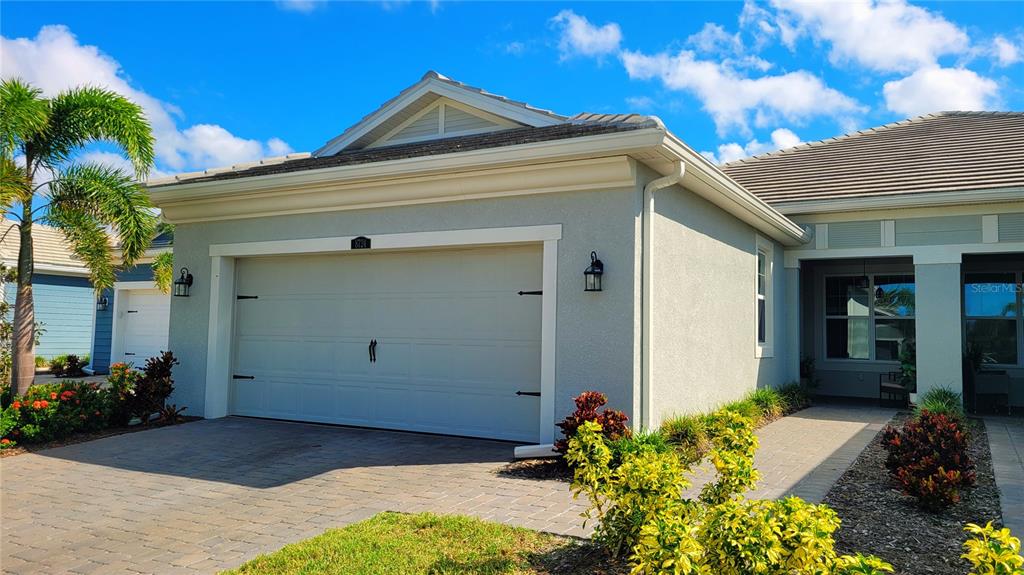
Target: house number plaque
x=361 y=243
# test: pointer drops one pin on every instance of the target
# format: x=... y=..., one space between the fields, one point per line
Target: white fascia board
x=495 y=106
x=59 y=270
x=711 y=183
x=901 y=201
x=548 y=151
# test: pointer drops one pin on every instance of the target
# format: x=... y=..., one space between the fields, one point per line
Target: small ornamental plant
x=928 y=457
x=993 y=551
x=612 y=422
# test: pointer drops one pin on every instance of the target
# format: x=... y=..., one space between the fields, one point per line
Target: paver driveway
x=209 y=495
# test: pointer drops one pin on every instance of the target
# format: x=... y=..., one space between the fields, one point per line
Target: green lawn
x=395 y=543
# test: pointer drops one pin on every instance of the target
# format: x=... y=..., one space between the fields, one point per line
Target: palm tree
x=39 y=139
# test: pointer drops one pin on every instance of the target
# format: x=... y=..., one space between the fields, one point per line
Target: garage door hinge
x=537 y=292
x=247 y=297
x=530 y=393
x=236 y=376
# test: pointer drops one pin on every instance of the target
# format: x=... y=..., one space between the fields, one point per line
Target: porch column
x=793 y=309
x=939 y=346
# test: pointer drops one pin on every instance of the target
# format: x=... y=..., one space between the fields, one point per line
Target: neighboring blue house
x=125 y=324
x=64 y=298
x=132 y=318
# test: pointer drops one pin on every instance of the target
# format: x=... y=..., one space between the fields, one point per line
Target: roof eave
x=902 y=201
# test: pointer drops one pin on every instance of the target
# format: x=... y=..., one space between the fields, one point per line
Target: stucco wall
x=595 y=331
x=704 y=319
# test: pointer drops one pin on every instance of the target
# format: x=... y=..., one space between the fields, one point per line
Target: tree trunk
x=23 y=370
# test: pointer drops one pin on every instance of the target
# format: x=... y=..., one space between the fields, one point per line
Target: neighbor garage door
x=454 y=340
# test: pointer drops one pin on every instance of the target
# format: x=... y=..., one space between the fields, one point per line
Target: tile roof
x=49 y=246
x=945 y=151
x=511 y=137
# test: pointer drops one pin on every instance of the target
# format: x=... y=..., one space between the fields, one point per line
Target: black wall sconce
x=101 y=303
x=183 y=284
x=593 y=273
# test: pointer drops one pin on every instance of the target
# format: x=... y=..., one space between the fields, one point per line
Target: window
x=991 y=313
x=763 y=298
x=869 y=317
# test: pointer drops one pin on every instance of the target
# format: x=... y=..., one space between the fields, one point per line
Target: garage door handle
x=373 y=351
x=132 y=311
x=129 y=353
x=530 y=393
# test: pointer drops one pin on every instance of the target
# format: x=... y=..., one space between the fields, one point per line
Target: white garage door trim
x=121 y=291
x=222 y=294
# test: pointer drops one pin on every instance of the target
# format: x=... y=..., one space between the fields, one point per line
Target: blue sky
x=230 y=82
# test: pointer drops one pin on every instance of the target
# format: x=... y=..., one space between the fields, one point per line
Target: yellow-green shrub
x=640 y=509
x=993 y=551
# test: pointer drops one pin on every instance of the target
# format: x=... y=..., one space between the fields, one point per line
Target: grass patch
x=941 y=401
x=395 y=543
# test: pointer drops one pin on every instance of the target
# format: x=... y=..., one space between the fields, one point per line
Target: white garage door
x=145 y=315
x=454 y=340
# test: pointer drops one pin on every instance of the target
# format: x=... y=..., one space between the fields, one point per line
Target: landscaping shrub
x=795 y=396
x=744 y=407
x=612 y=422
x=151 y=388
x=770 y=402
x=993 y=551
x=41 y=361
x=637 y=443
x=120 y=388
x=68 y=366
x=640 y=509
x=53 y=411
x=689 y=435
x=941 y=401
x=57 y=365
x=928 y=457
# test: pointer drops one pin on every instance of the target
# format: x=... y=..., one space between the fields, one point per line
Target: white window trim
x=766 y=348
x=222 y=297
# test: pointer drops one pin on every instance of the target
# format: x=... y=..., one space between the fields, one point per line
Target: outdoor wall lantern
x=593 y=274
x=183 y=284
x=101 y=303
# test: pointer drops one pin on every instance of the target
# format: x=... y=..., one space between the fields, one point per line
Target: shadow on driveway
x=264 y=453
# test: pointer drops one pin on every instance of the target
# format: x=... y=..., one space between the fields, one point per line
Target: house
x=434 y=268
x=125 y=324
x=132 y=317
x=64 y=298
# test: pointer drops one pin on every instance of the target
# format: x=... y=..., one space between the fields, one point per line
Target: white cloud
x=55 y=61
x=713 y=39
x=581 y=38
x=732 y=98
x=278 y=147
x=1006 y=52
x=115 y=161
x=889 y=36
x=935 y=89
x=640 y=103
x=304 y=6
x=515 y=48
x=781 y=138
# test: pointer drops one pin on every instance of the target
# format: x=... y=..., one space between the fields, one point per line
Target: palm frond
x=23 y=115
x=90 y=243
x=163 y=271
x=104 y=196
x=81 y=115
x=14 y=185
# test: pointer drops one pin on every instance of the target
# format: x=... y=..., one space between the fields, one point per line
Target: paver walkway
x=210 y=495
x=1006 y=441
x=804 y=454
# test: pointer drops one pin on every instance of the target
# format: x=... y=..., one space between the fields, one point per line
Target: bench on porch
x=889 y=386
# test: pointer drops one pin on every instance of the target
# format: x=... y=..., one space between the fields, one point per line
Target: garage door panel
x=455 y=342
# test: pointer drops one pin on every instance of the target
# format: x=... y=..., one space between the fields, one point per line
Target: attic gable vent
x=444 y=118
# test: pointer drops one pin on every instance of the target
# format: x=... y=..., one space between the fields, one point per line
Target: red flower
x=44 y=403
x=97 y=413
x=53 y=395
x=37 y=404
x=67 y=394
x=16 y=405
x=4 y=441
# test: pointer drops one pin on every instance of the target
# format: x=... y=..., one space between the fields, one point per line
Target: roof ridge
x=868 y=131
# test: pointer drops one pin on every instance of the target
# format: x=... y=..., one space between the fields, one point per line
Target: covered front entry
x=454 y=342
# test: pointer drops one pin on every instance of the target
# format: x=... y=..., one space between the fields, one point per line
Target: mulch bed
x=554 y=468
x=83 y=437
x=879 y=519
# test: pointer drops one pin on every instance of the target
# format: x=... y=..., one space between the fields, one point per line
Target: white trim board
x=222 y=296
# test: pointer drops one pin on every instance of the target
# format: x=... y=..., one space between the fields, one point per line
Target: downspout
x=647 y=280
